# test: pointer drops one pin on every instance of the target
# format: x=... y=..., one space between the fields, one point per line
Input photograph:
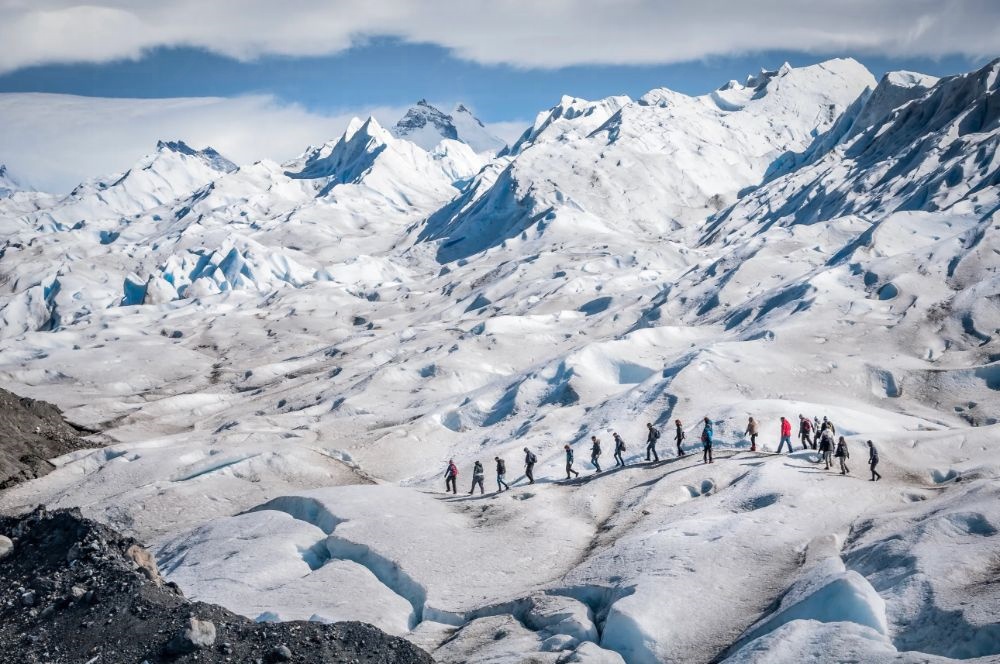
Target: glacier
x=280 y=360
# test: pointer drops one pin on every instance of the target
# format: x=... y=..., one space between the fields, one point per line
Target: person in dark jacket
x=707 y=434
x=477 y=478
x=450 y=477
x=619 y=450
x=651 y=438
x=595 y=451
x=873 y=461
x=826 y=448
x=843 y=455
x=752 y=430
x=501 y=473
x=529 y=465
x=569 y=462
x=679 y=437
x=805 y=428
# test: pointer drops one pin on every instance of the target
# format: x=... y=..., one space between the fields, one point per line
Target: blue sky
x=390 y=73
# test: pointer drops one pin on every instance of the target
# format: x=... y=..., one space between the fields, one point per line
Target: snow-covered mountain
x=283 y=358
x=8 y=185
x=426 y=126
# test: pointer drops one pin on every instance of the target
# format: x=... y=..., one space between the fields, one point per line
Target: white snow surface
x=282 y=359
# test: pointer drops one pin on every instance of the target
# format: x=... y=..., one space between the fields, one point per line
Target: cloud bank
x=519 y=32
x=52 y=142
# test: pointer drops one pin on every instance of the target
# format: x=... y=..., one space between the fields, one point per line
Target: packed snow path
x=282 y=359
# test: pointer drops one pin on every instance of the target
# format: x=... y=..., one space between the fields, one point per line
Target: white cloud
x=508 y=131
x=53 y=142
x=519 y=32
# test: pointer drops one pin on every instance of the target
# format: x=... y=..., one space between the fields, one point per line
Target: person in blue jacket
x=595 y=452
x=707 y=435
x=619 y=450
x=569 y=462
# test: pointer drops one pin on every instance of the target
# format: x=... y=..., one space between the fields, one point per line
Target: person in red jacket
x=786 y=435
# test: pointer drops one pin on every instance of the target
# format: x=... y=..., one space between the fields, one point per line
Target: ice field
x=282 y=358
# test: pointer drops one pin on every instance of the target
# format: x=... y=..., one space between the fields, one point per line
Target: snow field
x=281 y=359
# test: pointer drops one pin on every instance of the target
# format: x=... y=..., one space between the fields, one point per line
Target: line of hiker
x=812 y=434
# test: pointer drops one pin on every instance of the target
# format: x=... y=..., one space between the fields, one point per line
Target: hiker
x=619 y=449
x=477 y=478
x=843 y=455
x=679 y=437
x=595 y=451
x=450 y=476
x=816 y=432
x=706 y=440
x=752 y=431
x=828 y=423
x=651 y=438
x=805 y=429
x=569 y=462
x=786 y=435
x=529 y=464
x=501 y=472
x=826 y=447
x=873 y=461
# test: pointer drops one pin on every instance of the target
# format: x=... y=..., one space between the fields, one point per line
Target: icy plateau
x=282 y=358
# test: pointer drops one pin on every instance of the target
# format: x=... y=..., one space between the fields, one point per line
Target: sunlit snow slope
x=282 y=359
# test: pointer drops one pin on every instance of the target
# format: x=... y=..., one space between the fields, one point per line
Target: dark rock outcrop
x=73 y=590
x=31 y=433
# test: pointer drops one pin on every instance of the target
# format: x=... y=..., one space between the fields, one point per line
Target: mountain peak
x=208 y=154
x=426 y=125
x=8 y=185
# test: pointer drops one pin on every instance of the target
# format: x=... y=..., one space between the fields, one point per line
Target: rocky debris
x=196 y=635
x=281 y=654
x=74 y=590
x=145 y=562
x=31 y=433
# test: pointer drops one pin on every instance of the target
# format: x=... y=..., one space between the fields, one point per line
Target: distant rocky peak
x=765 y=76
x=426 y=125
x=8 y=185
x=423 y=117
x=208 y=154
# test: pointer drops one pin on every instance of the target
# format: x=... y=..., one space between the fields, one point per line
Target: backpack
x=453 y=470
x=655 y=433
x=619 y=444
x=477 y=469
x=806 y=426
x=530 y=458
x=501 y=467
